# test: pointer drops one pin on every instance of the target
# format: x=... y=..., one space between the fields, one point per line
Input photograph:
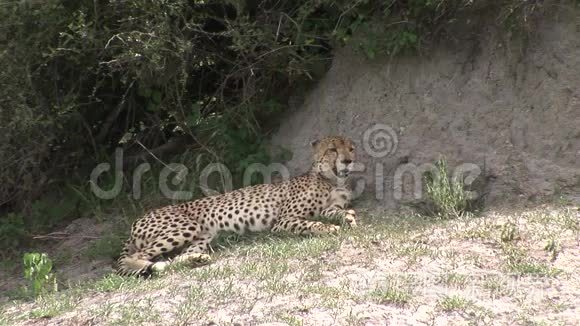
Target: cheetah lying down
x=188 y=228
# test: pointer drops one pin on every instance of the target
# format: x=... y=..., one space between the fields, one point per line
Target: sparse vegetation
x=496 y=285
x=291 y=320
x=553 y=248
x=392 y=295
x=518 y=262
x=454 y=303
x=454 y=279
x=446 y=194
x=53 y=305
x=348 y=277
x=533 y=268
x=509 y=232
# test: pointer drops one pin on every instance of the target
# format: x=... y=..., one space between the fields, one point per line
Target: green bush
x=12 y=233
x=38 y=272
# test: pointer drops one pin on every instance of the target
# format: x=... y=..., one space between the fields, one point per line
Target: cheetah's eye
x=351 y=149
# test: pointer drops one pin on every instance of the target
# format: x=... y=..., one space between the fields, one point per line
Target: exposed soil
x=509 y=106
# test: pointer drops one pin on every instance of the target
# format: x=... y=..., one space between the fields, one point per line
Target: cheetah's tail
x=129 y=263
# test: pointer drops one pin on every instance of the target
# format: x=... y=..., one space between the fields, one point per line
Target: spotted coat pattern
x=188 y=228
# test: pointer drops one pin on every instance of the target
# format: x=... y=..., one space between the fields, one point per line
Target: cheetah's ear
x=314 y=143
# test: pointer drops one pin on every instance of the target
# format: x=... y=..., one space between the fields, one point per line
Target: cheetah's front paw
x=350 y=218
x=326 y=229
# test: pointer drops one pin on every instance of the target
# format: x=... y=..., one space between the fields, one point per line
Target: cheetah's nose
x=346 y=162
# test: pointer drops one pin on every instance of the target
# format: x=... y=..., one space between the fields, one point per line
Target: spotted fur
x=188 y=228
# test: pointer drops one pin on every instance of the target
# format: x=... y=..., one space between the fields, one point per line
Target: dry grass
x=500 y=268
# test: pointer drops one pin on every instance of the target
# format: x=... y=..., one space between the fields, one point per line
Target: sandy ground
x=496 y=269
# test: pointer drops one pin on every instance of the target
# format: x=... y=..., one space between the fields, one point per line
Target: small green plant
x=519 y=263
x=447 y=194
x=454 y=303
x=290 y=320
x=38 y=271
x=553 y=248
x=533 y=269
x=392 y=295
x=496 y=286
x=509 y=232
x=454 y=279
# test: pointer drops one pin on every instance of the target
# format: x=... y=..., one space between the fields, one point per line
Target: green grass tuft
x=392 y=295
x=454 y=303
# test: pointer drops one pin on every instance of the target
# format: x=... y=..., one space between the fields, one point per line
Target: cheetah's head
x=334 y=157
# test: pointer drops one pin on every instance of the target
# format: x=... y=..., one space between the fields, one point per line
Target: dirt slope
x=510 y=107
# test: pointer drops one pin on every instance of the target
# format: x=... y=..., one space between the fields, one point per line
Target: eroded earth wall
x=509 y=106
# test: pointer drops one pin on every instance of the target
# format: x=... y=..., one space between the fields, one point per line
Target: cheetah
x=188 y=228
